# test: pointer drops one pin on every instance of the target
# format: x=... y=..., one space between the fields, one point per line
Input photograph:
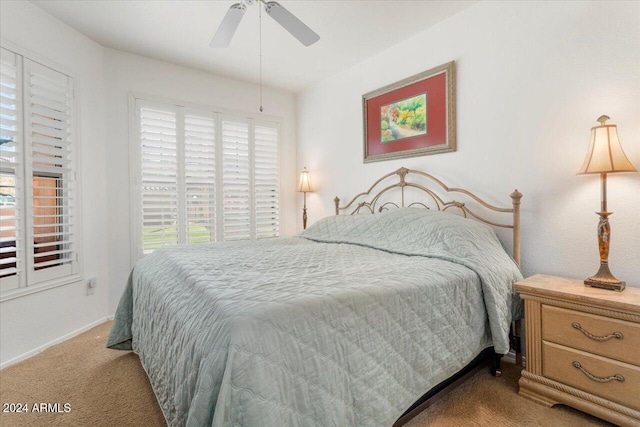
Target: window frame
x=27 y=285
x=135 y=100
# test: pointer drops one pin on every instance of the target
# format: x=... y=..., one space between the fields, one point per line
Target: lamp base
x=603 y=279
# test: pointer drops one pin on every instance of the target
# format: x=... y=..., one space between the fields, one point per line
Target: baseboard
x=43 y=347
x=511 y=357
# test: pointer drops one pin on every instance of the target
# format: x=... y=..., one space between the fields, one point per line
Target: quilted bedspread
x=347 y=324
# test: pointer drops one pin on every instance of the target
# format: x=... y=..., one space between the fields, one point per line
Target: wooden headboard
x=370 y=199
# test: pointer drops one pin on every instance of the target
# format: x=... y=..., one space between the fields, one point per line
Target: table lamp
x=304 y=186
x=605 y=156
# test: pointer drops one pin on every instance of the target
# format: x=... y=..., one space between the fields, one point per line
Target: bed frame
x=375 y=200
x=435 y=201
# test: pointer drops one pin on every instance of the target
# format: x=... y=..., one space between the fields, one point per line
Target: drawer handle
x=616 y=377
x=616 y=334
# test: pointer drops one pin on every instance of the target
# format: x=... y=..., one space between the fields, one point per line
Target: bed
x=349 y=323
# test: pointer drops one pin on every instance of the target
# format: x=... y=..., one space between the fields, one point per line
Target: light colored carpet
x=110 y=388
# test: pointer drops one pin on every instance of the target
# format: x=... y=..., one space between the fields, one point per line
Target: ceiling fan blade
x=228 y=26
x=296 y=27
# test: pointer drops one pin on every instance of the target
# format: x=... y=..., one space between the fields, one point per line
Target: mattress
x=348 y=323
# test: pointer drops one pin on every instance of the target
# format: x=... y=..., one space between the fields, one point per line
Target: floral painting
x=411 y=117
x=404 y=119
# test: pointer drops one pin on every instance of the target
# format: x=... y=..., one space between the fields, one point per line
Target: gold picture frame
x=419 y=113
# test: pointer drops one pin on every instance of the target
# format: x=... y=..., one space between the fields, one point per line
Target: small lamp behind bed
x=304 y=186
x=605 y=156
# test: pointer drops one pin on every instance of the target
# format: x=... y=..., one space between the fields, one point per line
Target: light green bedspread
x=347 y=324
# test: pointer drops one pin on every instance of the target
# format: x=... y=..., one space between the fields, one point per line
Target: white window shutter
x=158 y=177
x=50 y=165
x=236 y=180
x=200 y=176
x=204 y=176
x=266 y=182
x=11 y=182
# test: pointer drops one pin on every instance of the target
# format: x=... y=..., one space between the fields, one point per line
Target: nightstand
x=583 y=347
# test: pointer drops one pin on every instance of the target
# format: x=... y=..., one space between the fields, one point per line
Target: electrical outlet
x=91 y=285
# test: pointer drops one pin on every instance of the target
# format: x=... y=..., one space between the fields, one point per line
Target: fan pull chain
x=260 y=31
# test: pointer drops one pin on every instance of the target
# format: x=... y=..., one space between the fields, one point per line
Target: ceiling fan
x=282 y=16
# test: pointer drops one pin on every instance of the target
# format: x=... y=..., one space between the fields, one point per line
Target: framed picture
x=413 y=117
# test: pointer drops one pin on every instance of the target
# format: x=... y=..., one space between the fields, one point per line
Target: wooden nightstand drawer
x=593 y=374
x=605 y=336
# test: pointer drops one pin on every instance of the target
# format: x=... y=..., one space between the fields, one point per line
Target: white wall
x=126 y=73
x=532 y=79
x=32 y=321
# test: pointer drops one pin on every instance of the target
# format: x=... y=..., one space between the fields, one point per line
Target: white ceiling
x=180 y=31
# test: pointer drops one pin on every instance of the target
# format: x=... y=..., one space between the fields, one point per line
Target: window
x=38 y=231
x=203 y=176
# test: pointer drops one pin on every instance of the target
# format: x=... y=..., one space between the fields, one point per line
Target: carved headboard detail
x=400 y=176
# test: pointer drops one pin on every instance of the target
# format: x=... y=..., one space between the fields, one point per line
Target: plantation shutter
x=236 y=179
x=158 y=176
x=51 y=167
x=11 y=209
x=200 y=176
x=203 y=177
x=266 y=181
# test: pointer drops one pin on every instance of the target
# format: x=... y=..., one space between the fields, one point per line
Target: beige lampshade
x=304 y=185
x=605 y=153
